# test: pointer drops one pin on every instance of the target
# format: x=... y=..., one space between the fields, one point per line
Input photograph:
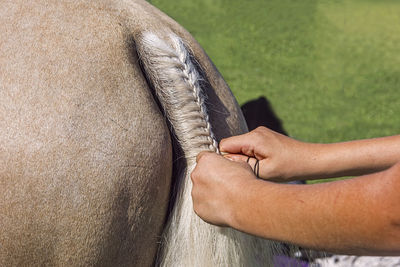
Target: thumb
x=243 y=159
x=240 y=144
x=237 y=157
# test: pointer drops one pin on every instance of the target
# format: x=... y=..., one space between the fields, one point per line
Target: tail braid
x=179 y=92
x=193 y=78
x=189 y=241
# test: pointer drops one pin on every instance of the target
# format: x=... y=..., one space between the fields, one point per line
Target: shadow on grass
x=259 y=112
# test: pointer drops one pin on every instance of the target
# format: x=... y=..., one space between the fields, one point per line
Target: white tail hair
x=188 y=240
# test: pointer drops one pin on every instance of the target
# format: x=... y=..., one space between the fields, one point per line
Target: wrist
x=240 y=204
x=246 y=208
x=305 y=161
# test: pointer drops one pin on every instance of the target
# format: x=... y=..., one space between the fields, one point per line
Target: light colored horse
x=86 y=158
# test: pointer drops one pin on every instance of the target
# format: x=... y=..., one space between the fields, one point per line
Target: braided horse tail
x=187 y=240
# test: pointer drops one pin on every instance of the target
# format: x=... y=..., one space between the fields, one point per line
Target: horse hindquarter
x=85 y=155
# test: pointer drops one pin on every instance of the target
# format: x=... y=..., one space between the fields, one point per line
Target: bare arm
x=356 y=216
x=283 y=158
x=355 y=158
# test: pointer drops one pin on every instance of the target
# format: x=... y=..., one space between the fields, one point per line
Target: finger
x=240 y=144
x=236 y=157
x=200 y=155
x=252 y=162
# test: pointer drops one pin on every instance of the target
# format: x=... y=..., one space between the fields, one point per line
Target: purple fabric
x=284 y=261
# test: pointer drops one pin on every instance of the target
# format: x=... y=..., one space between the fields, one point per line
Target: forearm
x=351 y=158
x=357 y=216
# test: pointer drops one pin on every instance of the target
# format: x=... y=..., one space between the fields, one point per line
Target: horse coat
x=86 y=158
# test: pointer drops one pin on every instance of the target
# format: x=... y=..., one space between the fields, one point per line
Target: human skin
x=356 y=216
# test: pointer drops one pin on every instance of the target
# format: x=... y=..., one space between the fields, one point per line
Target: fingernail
x=227 y=156
x=232 y=157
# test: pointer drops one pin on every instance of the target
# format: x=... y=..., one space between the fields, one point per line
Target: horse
x=103 y=107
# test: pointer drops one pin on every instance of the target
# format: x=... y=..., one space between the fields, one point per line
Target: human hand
x=219 y=185
x=281 y=158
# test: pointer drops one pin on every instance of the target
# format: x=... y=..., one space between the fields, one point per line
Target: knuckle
x=260 y=129
x=199 y=156
x=203 y=156
x=196 y=207
x=222 y=141
x=196 y=210
x=193 y=194
x=193 y=176
x=258 y=137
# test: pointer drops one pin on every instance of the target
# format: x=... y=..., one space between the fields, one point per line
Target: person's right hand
x=281 y=158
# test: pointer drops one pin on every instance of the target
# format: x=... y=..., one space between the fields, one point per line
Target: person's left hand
x=218 y=186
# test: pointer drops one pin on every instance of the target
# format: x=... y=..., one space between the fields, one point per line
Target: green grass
x=330 y=68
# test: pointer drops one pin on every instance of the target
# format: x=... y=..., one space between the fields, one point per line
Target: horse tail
x=187 y=240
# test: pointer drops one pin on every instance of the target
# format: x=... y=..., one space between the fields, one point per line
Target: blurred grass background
x=330 y=68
